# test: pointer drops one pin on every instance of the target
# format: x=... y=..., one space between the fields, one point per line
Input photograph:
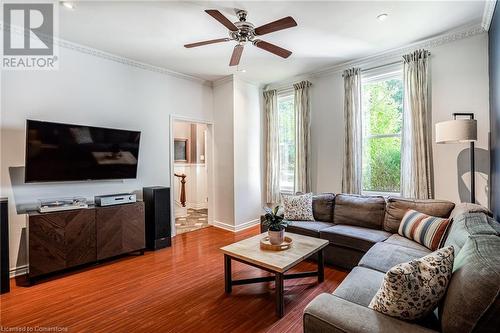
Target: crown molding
x=223 y=80
x=113 y=57
x=126 y=61
x=246 y=81
x=446 y=38
x=386 y=56
x=235 y=78
x=288 y=83
x=489 y=9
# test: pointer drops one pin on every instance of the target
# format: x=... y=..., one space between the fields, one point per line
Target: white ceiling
x=328 y=32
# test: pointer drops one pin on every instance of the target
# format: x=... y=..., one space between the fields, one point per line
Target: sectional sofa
x=363 y=238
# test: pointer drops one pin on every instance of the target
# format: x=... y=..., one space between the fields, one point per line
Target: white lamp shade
x=456 y=131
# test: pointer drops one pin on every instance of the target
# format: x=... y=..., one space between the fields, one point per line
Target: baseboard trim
x=20 y=270
x=197 y=205
x=222 y=225
x=239 y=227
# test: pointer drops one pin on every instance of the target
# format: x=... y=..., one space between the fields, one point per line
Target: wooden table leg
x=280 y=300
x=227 y=274
x=321 y=266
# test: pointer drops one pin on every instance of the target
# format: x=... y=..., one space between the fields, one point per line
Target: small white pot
x=276 y=237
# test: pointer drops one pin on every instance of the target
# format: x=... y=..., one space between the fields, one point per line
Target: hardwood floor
x=178 y=289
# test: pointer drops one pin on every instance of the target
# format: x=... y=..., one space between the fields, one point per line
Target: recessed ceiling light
x=243 y=71
x=68 y=5
x=382 y=17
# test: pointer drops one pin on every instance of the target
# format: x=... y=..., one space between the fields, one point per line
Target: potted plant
x=276 y=225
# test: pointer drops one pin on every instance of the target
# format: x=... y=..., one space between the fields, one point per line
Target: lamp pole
x=472 y=160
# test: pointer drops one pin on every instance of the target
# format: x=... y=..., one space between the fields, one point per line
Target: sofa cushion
x=472 y=301
x=343 y=257
x=360 y=285
x=468 y=224
x=323 y=205
x=494 y=224
x=382 y=256
x=413 y=289
x=332 y=314
x=358 y=238
x=397 y=207
x=467 y=207
x=358 y=210
x=403 y=241
x=307 y=228
x=424 y=229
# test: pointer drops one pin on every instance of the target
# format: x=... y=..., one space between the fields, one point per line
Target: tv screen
x=64 y=152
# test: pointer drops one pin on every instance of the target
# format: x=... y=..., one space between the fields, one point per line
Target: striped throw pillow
x=424 y=229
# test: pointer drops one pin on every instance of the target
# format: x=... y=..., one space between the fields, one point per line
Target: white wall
x=460 y=83
x=247 y=153
x=237 y=154
x=459 y=74
x=94 y=91
x=327 y=133
x=223 y=154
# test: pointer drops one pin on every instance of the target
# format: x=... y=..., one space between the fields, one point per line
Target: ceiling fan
x=243 y=31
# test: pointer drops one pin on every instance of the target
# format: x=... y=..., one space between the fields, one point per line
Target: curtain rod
x=283 y=90
x=380 y=66
x=384 y=65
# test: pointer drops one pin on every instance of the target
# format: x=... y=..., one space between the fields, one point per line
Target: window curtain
x=272 y=147
x=352 y=168
x=302 y=105
x=416 y=150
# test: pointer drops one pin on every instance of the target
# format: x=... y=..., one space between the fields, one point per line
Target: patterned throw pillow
x=412 y=290
x=298 y=207
x=424 y=229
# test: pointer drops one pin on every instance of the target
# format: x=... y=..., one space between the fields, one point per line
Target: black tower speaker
x=157 y=210
x=4 y=246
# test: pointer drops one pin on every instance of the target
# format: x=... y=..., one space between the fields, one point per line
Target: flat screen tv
x=65 y=152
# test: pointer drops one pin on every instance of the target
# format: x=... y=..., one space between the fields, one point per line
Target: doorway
x=190 y=175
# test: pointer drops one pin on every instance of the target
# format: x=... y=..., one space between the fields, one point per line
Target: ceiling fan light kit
x=243 y=31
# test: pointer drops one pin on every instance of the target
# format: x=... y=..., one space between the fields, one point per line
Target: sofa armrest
x=329 y=313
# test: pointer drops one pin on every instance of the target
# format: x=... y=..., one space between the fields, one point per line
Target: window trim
x=381 y=136
x=286 y=192
x=382 y=73
x=382 y=193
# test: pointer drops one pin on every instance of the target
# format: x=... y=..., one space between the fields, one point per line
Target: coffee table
x=248 y=251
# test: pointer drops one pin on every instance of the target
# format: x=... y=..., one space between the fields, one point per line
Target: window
x=286 y=122
x=382 y=97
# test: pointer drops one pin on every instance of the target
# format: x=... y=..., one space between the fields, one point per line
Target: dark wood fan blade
x=212 y=41
x=222 y=19
x=235 y=58
x=279 y=51
x=284 y=23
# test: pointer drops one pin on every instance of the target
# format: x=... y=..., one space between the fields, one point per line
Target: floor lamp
x=460 y=130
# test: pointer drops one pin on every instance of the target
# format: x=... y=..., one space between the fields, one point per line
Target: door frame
x=209 y=164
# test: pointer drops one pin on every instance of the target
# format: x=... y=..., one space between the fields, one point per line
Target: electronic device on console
x=115 y=199
x=55 y=205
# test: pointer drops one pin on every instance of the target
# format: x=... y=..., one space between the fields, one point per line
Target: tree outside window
x=286 y=120
x=382 y=123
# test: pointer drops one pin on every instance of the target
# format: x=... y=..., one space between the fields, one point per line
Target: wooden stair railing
x=183 y=188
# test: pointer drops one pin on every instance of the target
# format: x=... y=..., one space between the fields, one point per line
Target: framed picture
x=181 y=150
